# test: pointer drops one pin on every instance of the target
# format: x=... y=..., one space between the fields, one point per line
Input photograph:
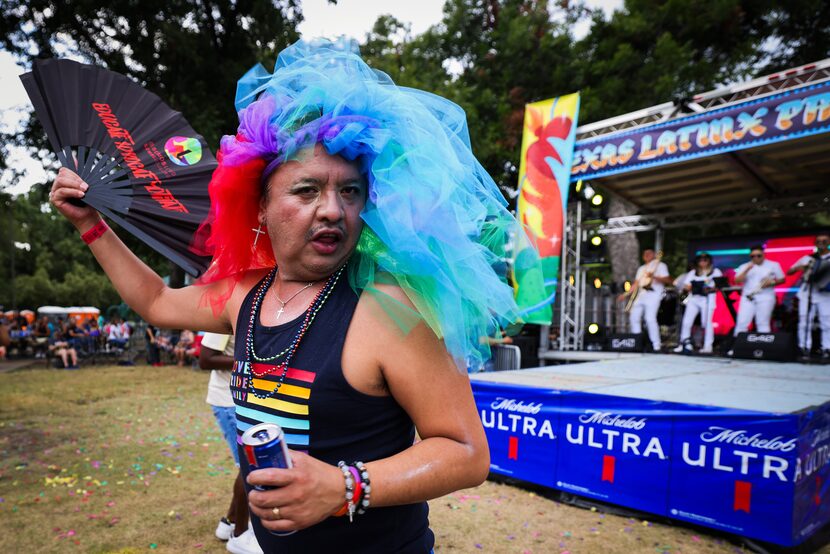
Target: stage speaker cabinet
x=764 y=346
x=624 y=342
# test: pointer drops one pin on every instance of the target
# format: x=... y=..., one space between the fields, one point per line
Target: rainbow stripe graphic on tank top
x=288 y=408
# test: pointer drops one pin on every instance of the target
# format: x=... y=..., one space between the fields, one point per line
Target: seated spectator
x=61 y=348
x=43 y=330
x=95 y=335
x=164 y=340
x=22 y=341
x=77 y=335
x=184 y=348
x=119 y=333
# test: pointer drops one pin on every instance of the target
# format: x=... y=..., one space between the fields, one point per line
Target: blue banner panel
x=733 y=470
x=521 y=424
x=755 y=474
x=812 y=474
x=615 y=449
x=784 y=116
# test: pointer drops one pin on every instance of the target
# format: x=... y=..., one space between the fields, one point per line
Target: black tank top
x=323 y=415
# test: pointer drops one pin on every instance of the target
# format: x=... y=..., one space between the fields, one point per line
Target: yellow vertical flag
x=548 y=138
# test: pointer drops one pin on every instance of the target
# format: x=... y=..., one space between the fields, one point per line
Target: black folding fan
x=146 y=167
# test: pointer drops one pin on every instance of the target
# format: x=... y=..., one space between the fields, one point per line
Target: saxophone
x=765 y=282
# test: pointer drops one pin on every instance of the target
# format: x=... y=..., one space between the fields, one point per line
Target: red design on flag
x=513 y=448
x=249 y=453
x=608 y=463
x=817 y=496
x=743 y=496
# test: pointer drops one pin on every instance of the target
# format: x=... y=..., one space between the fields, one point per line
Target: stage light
x=594 y=337
x=597 y=283
x=588 y=192
x=593 y=250
x=596 y=212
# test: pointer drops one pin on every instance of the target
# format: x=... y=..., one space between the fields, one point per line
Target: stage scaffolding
x=777 y=185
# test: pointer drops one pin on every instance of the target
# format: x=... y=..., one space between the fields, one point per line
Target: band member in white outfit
x=649 y=283
x=816 y=280
x=759 y=278
x=699 y=284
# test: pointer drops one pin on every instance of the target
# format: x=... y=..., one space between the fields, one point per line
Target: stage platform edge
x=738 y=446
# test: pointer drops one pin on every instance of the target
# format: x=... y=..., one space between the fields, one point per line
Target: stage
x=742 y=446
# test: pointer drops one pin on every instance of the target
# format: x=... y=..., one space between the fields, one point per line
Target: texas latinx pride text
x=125 y=144
x=802 y=112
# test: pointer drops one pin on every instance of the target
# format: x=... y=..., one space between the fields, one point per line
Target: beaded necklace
x=311 y=313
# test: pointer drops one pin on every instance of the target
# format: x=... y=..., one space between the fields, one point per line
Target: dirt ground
x=128 y=459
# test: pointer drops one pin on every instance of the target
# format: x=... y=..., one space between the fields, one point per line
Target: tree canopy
x=490 y=56
x=189 y=52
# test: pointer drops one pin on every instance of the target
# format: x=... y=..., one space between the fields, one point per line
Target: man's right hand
x=68 y=186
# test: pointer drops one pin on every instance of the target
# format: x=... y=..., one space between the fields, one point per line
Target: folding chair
x=506 y=357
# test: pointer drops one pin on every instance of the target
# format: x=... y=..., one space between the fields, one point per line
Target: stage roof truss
x=759 y=209
x=766 y=173
x=718 y=98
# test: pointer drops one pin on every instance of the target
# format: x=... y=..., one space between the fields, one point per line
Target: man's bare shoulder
x=392 y=291
x=240 y=290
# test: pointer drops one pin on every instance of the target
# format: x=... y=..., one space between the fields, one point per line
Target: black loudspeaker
x=624 y=342
x=764 y=346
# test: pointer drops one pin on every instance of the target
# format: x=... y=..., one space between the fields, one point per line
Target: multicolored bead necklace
x=311 y=313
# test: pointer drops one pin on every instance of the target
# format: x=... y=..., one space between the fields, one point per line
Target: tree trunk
x=624 y=248
x=177 y=276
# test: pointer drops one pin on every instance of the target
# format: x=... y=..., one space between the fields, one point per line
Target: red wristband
x=96 y=232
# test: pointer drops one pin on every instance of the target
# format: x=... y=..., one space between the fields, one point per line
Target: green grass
x=129 y=459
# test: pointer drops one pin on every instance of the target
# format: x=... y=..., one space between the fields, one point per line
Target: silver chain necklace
x=293 y=296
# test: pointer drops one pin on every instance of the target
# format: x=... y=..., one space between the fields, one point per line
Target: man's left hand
x=306 y=494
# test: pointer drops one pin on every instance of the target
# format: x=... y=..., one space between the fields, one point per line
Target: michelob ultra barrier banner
x=784 y=116
x=755 y=474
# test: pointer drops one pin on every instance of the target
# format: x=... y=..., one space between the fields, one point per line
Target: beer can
x=264 y=446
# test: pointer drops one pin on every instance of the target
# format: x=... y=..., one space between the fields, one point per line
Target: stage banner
x=812 y=474
x=734 y=470
x=615 y=449
x=548 y=137
x=778 y=117
x=520 y=424
x=754 y=474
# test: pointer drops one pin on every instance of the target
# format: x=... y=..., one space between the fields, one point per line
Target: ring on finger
x=276 y=512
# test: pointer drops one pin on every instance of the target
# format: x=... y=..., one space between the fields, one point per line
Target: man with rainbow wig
x=356 y=247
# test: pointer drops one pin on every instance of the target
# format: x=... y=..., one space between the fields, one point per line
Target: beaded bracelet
x=365 y=485
x=348 y=507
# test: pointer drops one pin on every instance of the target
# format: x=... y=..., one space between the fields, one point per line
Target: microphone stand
x=808 y=330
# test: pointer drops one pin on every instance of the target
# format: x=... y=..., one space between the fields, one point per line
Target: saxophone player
x=759 y=277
